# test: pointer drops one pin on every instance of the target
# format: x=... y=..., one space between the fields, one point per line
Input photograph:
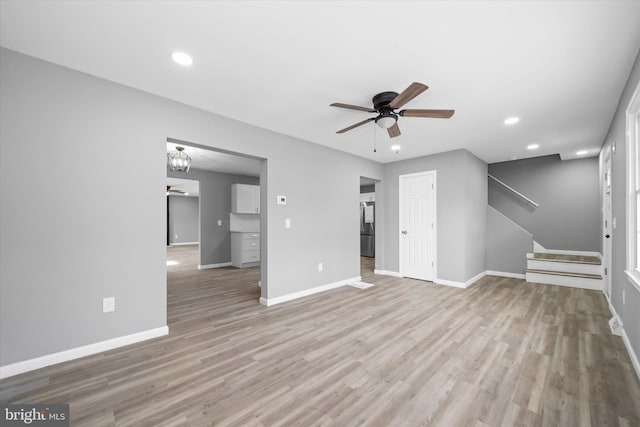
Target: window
x=633 y=189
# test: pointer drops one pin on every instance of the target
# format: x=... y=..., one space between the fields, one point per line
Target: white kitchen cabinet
x=245 y=249
x=245 y=199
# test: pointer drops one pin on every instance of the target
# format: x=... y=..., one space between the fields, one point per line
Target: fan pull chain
x=375 y=140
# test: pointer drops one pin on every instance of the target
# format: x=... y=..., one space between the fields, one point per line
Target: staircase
x=567 y=269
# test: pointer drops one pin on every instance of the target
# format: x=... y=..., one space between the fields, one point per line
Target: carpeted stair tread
x=579 y=259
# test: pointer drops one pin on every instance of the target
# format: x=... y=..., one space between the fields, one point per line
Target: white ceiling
x=558 y=65
x=218 y=161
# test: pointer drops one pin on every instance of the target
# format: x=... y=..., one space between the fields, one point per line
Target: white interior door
x=418 y=225
x=606 y=222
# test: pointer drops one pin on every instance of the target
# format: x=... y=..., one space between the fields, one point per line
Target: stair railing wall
x=514 y=191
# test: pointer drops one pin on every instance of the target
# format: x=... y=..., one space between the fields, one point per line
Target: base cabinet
x=245 y=249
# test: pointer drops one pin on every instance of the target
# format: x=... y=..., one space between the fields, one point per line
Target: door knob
x=607 y=236
x=404 y=231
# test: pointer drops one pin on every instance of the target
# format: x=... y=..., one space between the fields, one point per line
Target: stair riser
x=572 y=282
x=566 y=267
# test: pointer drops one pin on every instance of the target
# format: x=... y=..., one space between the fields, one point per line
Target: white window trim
x=633 y=270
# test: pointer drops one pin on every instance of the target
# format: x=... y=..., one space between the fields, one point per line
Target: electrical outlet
x=624 y=297
x=320 y=267
x=108 y=304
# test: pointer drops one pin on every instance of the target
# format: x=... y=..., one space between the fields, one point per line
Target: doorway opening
x=606 y=221
x=224 y=182
x=367 y=212
x=183 y=224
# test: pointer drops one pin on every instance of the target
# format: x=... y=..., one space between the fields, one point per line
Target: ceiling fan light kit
x=385 y=104
x=179 y=161
x=385 y=121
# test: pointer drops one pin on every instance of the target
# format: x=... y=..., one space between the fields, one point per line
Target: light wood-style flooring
x=402 y=353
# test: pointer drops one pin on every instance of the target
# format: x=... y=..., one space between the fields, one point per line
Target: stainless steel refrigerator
x=367 y=229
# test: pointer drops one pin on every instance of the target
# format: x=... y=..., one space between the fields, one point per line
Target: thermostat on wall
x=282 y=200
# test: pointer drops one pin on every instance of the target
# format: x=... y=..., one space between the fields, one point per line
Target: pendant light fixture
x=179 y=161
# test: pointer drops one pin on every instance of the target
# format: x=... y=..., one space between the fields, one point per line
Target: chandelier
x=179 y=161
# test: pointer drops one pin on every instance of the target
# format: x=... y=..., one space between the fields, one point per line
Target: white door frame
x=607 y=226
x=435 y=219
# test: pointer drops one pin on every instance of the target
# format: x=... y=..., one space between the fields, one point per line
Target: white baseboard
x=387 y=273
x=505 y=274
x=206 y=266
x=295 y=295
x=78 y=352
x=184 y=244
x=450 y=283
x=462 y=285
x=625 y=338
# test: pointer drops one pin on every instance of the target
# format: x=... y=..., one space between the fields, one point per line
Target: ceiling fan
x=174 y=190
x=385 y=104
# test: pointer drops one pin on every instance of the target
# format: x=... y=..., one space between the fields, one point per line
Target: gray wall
x=629 y=312
x=81 y=245
x=507 y=244
x=184 y=219
x=567 y=191
x=461 y=212
x=215 y=204
x=98 y=250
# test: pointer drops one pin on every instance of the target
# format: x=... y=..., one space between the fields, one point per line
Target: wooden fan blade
x=352 y=107
x=394 y=131
x=356 y=125
x=408 y=94
x=435 y=114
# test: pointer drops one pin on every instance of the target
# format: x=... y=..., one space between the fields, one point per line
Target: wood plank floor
x=402 y=353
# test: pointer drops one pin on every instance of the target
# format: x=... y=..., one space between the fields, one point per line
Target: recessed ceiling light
x=182 y=58
x=582 y=152
x=511 y=121
x=533 y=146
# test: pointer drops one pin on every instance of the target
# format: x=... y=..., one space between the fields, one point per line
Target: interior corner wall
x=215 y=204
x=97 y=249
x=567 y=192
x=184 y=219
x=475 y=223
x=461 y=212
x=629 y=312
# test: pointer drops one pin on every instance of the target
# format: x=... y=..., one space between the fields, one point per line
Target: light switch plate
x=108 y=304
x=287 y=223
